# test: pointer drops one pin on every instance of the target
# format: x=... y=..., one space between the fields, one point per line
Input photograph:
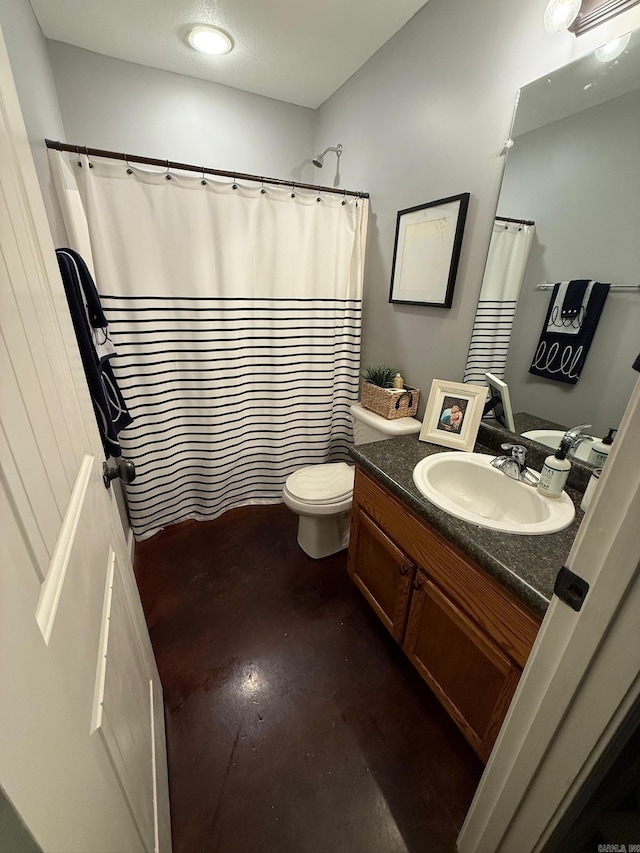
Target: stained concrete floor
x=294 y=722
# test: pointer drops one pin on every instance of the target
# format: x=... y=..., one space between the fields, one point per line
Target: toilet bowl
x=321 y=494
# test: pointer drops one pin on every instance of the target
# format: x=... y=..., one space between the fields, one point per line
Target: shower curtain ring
x=78 y=153
x=86 y=151
x=344 y=197
x=262 y=190
x=168 y=176
x=203 y=182
x=318 y=199
x=293 y=189
x=129 y=169
x=234 y=186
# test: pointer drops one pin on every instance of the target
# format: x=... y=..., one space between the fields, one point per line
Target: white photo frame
x=499 y=402
x=454 y=411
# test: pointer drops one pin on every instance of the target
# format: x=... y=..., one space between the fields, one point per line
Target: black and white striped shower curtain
x=504 y=271
x=236 y=315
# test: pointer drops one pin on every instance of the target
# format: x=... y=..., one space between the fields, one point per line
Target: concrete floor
x=294 y=722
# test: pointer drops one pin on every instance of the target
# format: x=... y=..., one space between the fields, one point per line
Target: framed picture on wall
x=427 y=251
x=453 y=414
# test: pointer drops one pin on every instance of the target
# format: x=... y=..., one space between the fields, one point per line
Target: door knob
x=125 y=470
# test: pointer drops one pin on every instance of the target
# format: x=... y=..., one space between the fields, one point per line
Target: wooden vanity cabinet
x=468 y=672
x=382 y=572
x=466 y=635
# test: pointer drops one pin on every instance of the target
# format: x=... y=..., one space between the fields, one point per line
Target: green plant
x=381 y=375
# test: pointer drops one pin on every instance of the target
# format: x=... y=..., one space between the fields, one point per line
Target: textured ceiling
x=297 y=51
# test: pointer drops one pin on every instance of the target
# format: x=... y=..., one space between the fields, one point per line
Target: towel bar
x=547 y=285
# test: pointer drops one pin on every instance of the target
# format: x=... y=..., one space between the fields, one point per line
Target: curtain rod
x=548 y=285
x=170 y=164
x=515 y=221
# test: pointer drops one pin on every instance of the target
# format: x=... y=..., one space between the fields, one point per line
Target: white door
x=82 y=744
x=581 y=681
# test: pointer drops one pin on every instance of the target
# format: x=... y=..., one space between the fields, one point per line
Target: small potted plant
x=380 y=375
x=379 y=395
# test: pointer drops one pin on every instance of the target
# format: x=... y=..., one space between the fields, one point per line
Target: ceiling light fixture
x=560 y=14
x=210 y=40
x=612 y=49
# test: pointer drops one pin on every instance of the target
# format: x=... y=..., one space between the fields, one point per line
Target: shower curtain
x=506 y=263
x=236 y=314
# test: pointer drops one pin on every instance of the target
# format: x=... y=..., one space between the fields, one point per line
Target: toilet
x=321 y=494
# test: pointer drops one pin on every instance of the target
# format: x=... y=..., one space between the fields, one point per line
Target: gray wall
x=579 y=180
x=426 y=118
x=27 y=49
x=116 y=105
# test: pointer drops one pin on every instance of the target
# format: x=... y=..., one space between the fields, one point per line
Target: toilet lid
x=328 y=483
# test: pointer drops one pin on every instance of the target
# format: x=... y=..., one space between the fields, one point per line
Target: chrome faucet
x=515 y=466
x=573 y=439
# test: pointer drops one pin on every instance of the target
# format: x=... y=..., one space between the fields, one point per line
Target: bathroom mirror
x=574 y=170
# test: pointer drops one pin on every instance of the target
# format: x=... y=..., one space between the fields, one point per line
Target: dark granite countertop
x=526 y=565
x=523 y=422
x=491 y=434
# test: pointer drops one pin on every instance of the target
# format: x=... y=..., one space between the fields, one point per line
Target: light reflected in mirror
x=574 y=170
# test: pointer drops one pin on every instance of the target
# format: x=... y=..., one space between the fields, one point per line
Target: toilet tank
x=368 y=427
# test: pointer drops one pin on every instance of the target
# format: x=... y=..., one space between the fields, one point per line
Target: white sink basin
x=466 y=486
x=551 y=437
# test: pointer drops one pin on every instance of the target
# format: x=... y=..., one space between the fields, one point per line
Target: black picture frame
x=426 y=252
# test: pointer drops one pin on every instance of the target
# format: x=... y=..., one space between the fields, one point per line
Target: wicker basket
x=388 y=403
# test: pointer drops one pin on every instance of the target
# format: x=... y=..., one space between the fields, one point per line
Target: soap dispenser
x=555 y=471
x=600 y=450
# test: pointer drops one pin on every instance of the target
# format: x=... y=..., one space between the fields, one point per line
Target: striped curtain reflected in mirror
x=507 y=260
x=236 y=315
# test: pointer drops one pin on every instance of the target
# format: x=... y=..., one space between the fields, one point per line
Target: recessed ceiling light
x=612 y=49
x=210 y=40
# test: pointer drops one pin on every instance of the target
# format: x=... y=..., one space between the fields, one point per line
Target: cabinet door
x=381 y=571
x=469 y=674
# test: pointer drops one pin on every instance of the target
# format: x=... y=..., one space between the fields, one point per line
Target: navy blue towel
x=90 y=326
x=567 y=333
x=574 y=298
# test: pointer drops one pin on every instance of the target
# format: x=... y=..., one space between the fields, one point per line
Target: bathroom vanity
x=465 y=603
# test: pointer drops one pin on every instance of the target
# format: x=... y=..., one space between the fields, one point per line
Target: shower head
x=318 y=160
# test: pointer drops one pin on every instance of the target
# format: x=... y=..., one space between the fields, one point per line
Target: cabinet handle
x=417 y=584
x=404 y=569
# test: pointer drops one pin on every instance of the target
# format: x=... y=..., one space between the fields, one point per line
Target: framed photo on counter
x=454 y=411
x=499 y=402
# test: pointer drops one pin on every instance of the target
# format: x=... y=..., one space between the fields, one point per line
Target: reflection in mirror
x=499 y=402
x=574 y=170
